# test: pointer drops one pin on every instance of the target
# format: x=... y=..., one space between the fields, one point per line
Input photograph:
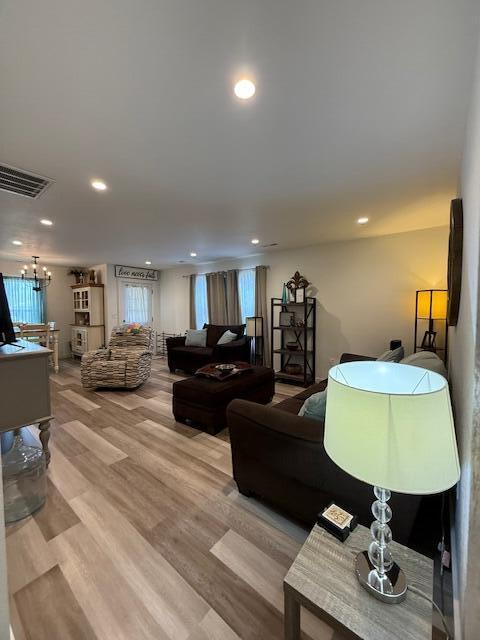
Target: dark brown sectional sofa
x=279 y=457
x=189 y=359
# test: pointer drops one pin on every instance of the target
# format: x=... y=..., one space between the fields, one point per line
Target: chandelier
x=41 y=276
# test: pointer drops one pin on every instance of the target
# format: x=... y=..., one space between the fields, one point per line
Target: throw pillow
x=196 y=338
x=392 y=355
x=227 y=337
x=427 y=360
x=314 y=407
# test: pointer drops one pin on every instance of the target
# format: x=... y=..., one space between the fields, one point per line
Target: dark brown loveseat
x=278 y=456
x=190 y=359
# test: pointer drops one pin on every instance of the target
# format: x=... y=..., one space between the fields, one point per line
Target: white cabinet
x=86 y=339
x=79 y=340
x=87 y=328
x=81 y=299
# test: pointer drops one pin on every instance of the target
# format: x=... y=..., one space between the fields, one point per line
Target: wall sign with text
x=135 y=273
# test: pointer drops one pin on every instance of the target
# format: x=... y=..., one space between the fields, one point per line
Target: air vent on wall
x=22 y=183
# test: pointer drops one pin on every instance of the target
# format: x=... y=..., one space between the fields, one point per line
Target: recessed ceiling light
x=255 y=241
x=193 y=254
x=148 y=262
x=17 y=243
x=244 y=89
x=362 y=220
x=47 y=223
x=99 y=185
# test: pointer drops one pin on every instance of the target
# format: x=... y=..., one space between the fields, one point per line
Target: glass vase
x=24 y=477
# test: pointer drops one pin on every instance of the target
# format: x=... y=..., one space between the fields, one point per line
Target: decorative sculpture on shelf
x=297 y=285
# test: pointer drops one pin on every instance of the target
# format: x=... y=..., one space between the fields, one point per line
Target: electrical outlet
x=333 y=361
x=446 y=559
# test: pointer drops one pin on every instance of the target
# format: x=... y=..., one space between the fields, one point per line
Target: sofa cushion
x=315 y=406
x=427 y=360
x=196 y=338
x=216 y=331
x=294 y=404
x=392 y=355
x=227 y=337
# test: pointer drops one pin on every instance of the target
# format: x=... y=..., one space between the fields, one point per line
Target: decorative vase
x=284 y=294
x=24 y=477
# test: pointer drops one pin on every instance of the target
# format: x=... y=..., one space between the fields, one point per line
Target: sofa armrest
x=274 y=420
x=353 y=357
x=130 y=356
x=281 y=458
x=139 y=361
x=177 y=341
x=265 y=438
x=97 y=354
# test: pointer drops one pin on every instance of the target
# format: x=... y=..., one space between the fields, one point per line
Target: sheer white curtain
x=137 y=304
x=26 y=305
x=201 y=302
x=246 y=292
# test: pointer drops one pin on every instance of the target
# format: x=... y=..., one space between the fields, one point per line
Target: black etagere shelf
x=300 y=330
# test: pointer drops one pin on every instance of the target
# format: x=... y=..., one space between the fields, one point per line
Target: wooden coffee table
x=202 y=402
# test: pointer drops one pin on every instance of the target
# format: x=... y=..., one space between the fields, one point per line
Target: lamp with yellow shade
x=431 y=313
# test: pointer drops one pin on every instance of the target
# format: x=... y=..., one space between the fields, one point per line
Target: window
x=137 y=303
x=246 y=292
x=26 y=305
x=201 y=304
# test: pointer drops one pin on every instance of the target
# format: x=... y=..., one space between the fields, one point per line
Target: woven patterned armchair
x=125 y=363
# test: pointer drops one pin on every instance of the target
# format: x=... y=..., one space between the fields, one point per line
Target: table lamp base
x=390 y=588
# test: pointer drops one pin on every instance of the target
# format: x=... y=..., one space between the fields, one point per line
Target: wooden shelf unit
x=304 y=336
x=88 y=330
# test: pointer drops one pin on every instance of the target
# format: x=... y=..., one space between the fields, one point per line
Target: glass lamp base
x=391 y=588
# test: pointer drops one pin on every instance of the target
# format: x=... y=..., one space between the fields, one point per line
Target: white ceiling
x=360 y=110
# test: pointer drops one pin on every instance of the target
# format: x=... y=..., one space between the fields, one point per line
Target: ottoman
x=202 y=402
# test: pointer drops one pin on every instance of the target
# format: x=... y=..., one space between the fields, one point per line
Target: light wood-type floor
x=144 y=535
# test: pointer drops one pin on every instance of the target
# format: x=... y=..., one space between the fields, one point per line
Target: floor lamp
x=254 y=331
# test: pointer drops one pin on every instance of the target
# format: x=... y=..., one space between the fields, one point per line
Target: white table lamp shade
x=391 y=425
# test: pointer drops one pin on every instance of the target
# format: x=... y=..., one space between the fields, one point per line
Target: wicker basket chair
x=127 y=361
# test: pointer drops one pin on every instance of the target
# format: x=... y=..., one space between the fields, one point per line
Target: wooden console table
x=25 y=389
x=322 y=579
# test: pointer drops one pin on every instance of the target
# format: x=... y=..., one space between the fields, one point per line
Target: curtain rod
x=205 y=273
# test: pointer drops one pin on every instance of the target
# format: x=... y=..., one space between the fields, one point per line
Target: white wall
x=365 y=288
x=466 y=396
x=58 y=295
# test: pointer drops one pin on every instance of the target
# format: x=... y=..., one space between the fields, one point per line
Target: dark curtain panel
x=261 y=309
x=193 y=319
x=233 y=300
x=217 y=298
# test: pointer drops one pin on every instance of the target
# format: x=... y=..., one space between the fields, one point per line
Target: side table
x=322 y=579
